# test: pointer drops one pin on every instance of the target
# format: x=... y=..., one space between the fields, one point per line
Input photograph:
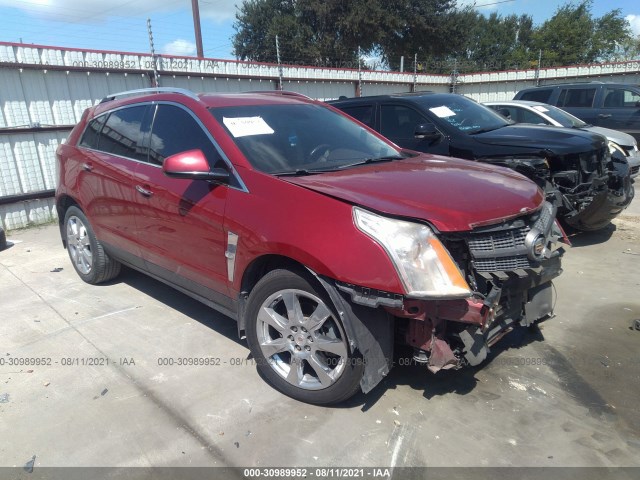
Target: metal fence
x=44 y=90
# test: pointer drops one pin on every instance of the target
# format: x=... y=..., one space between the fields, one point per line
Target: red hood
x=454 y=195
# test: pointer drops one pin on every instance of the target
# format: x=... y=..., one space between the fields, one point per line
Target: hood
x=558 y=140
x=452 y=194
x=621 y=138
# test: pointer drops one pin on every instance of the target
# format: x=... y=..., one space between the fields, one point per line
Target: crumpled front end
x=595 y=189
x=509 y=267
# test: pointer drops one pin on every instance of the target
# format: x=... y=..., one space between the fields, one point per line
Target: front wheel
x=87 y=255
x=298 y=341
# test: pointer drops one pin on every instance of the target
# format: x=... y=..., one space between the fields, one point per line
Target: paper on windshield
x=540 y=108
x=245 y=126
x=442 y=112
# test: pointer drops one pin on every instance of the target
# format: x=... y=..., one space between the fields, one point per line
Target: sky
x=121 y=25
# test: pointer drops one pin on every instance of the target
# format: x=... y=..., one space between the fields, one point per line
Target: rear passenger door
x=181 y=222
x=111 y=145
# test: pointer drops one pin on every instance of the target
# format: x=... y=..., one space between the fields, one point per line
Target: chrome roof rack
x=148 y=91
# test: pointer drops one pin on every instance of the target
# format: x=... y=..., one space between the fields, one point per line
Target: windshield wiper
x=303 y=171
x=366 y=161
x=487 y=129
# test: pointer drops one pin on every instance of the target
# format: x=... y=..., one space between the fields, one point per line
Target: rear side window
x=121 y=135
x=91 y=135
x=577 y=97
x=175 y=131
x=539 y=95
x=362 y=113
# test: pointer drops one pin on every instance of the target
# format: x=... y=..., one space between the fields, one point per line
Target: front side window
x=300 y=138
x=176 y=131
x=621 y=98
x=526 y=116
x=578 y=97
x=398 y=121
x=121 y=134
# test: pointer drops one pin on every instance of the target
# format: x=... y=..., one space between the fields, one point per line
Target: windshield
x=464 y=114
x=300 y=138
x=563 y=118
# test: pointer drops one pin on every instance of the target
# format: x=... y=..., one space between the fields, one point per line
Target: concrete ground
x=566 y=395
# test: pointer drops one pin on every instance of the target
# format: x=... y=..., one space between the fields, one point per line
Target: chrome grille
x=494 y=242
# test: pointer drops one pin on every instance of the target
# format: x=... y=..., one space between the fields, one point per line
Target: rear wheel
x=87 y=255
x=298 y=341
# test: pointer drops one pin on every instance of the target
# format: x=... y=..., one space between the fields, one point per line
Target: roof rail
x=282 y=92
x=581 y=82
x=148 y=91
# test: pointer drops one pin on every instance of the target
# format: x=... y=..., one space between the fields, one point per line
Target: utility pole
x=279 y=64
x=156 y=76
x=538 y=69
x=196 y=27
x=402 y=64
x=415 y=71
x=359 y=89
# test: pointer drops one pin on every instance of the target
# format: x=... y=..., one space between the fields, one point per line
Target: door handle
x=144 y=191
x=87 y=167
x=604 y=115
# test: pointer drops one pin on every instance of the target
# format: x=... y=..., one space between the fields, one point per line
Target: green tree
x=573 y=36
x=308 y=30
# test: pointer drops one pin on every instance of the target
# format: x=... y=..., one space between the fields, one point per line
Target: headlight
x=424 y=265
x=614 y=147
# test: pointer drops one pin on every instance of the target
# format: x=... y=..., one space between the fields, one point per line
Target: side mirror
x=192 y=165
x=427 y=131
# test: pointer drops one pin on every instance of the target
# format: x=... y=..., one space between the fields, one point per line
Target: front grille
x=494 y=242
x=635 y=170
x=502 y=264
x=503 y=248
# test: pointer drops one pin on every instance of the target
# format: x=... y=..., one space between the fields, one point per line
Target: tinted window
x=121 y=135
x=363 y=113
x=527 y=116
x=176 y=131
x=398 y=121
x=541 y=95
x=578 y=97
x=288 y=138
x=92 y=133
x=621 y=98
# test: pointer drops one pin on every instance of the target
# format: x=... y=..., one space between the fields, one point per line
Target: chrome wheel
x=301 y=340
x=79 y=245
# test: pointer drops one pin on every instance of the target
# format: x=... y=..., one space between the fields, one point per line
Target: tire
x=298 y=341
x=87 y=255
x=3 y=239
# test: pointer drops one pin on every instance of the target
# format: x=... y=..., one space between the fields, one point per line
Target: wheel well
x=62 y=205
x=255 y=271
x=263 y=265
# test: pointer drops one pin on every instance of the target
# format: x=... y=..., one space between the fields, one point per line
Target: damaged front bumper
x=455 y=333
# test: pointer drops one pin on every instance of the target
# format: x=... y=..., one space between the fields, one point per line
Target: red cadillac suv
x=326 y=242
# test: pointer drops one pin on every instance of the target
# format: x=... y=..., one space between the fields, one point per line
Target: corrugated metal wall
x=44 y=90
